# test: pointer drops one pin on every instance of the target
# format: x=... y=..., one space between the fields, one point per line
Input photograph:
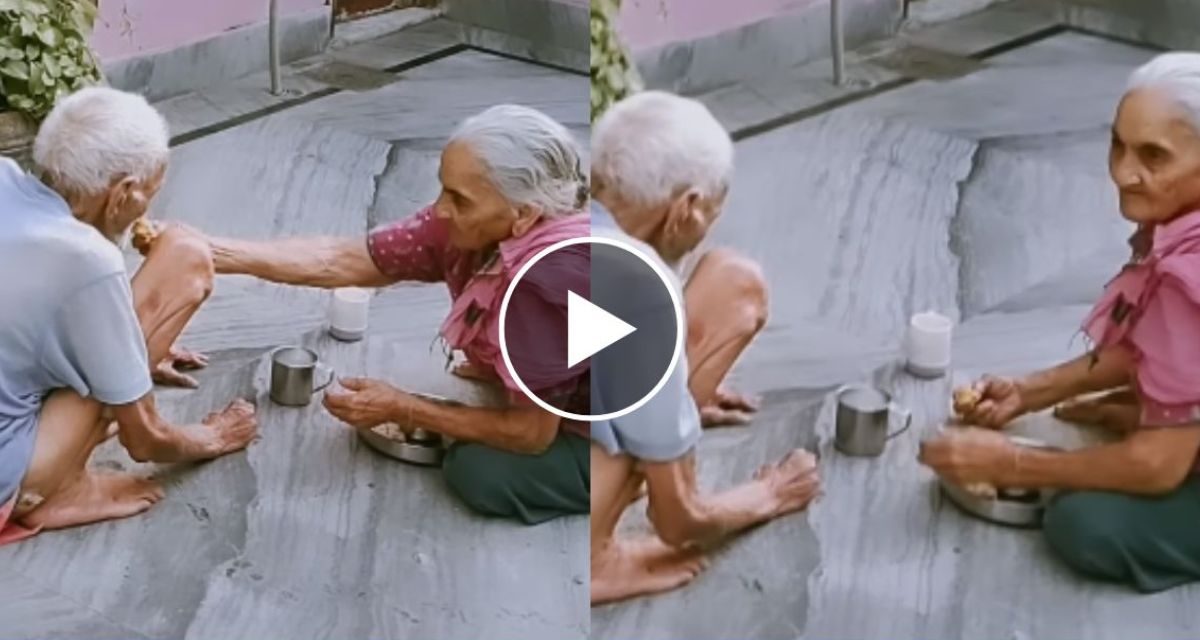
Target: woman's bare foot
x=95 y=497
x=471 y=372
x=1117 y=410
x=632 y=568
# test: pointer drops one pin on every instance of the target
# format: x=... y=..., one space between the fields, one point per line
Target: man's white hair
x=97 y=135
x=649 y=147
x=1177 y=74
x=531 y=158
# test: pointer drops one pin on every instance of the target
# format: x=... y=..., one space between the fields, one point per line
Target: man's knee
x=741 y=281
x=190 y=259
x=1089 y=531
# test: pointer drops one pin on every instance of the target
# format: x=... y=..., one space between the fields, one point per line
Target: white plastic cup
x=927 y=345
x=348 y=313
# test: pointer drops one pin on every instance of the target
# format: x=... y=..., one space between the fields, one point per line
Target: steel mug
x=292 y=370
x=864 y=416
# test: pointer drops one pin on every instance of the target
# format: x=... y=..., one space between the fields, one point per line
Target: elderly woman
x=512 y=184
x=1132 y=508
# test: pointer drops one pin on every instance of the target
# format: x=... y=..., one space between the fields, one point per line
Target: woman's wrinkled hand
x=999 y=404
x=365 y=403
x=968 y=456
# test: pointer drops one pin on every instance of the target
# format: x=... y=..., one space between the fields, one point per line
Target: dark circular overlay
x=536 y=328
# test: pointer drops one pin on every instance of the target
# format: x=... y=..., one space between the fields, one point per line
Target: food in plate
x=981 y=490
x=391 y=431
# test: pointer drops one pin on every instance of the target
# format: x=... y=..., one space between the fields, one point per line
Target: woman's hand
x=366 y=403
x=1001 y=403
x=970 y=456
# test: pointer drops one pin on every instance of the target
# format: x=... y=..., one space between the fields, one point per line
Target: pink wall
x=128 y=27
x=650 y=23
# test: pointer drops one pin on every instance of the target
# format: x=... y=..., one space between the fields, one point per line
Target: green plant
x=44 y=53
x=614 y=75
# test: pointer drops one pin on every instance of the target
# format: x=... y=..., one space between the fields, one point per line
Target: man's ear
x=684 y=213
x=119 y=194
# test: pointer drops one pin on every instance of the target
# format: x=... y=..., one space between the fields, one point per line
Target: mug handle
x=332 y=375
x=908 y=418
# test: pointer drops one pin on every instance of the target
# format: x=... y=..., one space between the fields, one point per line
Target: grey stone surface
x=984 y=197
x=550 y=31
x=763 y=47
x=975 y=32
x=1170 y=24
x=218 y=59
x=310 y=534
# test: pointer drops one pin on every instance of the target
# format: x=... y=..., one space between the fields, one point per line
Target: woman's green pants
x=530 y=488
x=1150 y=543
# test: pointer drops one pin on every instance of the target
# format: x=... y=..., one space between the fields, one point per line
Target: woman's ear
x=526 y=218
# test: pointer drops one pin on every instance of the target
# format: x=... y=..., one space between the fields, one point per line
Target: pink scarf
x=1167 y=372
x=473 y=324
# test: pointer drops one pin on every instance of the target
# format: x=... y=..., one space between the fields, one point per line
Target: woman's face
x=479 y=215
x=1155 y=158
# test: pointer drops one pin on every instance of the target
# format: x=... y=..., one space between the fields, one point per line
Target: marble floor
x=309 y=534
x=986 y=197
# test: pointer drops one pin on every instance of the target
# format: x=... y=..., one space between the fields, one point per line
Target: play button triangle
x=590 y=328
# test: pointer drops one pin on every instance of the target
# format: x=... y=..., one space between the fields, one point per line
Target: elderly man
x=661 y=168
x=1130 y=509
x=512 y=185
x=76 y=337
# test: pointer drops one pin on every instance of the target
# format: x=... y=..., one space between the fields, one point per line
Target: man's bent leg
x=530 y=488
x=623 y=569
x=58 y=491
x=1150 y=543
x=726 y=303
x=175 y=279
x=171 y=285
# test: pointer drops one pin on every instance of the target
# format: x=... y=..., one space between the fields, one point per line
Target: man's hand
x=728 y=408
x=170 y=371
x=967 y=456
x=366 y=403
x=1001 y=403
x=233 y=428
x=793 y=481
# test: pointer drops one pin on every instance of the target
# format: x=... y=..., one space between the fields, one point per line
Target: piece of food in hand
x=144 y=234
x=966 y=399
x=981 y=490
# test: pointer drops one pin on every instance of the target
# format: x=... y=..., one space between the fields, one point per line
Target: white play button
x=590 y=328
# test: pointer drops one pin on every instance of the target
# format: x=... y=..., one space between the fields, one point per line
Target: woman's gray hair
x=1178 y=74
x=532 y=159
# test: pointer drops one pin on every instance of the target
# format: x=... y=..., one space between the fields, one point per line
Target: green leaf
x=15 y=69
x=50 y=36
x=32 y=51
x=35 y=7
x=27 y=25
x=9 y=5
x=52 y=66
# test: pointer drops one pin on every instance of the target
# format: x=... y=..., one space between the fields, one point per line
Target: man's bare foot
x=95 y=497
x=236 y=425
x=632 y=568
x=793 y=481
x=170 y=371
x=727 y=409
